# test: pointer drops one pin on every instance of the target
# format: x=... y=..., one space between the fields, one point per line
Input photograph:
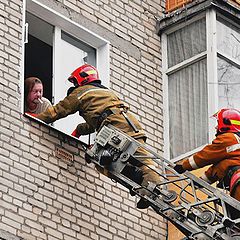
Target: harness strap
x=235 y=180
x=107 y=113
x=119 y=110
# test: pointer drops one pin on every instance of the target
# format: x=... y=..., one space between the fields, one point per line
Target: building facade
x=47 y=189
x=174 y=62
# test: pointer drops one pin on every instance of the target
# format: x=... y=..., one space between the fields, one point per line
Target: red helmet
x=83 y=75
x=228 y=120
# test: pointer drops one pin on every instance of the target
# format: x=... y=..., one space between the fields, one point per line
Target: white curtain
x=188 y=109
x=186 y=42
x=187 y=90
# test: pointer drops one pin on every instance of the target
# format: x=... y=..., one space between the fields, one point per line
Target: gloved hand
x=87 y=157
x=179 y=168
x=75 y=133
x=31 y=114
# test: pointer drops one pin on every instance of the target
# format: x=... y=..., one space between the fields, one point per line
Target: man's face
x=35 y=94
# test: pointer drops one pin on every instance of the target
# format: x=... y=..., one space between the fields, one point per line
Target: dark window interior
x=38 y=63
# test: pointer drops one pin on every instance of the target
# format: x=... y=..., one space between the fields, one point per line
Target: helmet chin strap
x=85 y=81
x=223 y=130
x=218 y=133
x=71 y=89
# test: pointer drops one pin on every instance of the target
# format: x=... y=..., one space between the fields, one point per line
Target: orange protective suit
x=222 y=154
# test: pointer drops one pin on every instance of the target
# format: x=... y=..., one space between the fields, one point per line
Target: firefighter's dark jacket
x=91 y=101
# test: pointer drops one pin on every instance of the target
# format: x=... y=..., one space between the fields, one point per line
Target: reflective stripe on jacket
x=91 y=101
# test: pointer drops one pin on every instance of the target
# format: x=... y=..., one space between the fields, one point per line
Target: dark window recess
x=38 y=63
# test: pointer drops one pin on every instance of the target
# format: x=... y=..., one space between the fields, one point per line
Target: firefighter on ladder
x=99 y=106
x=223 y=154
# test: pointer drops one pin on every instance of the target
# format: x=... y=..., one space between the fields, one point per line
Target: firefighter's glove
x=88 y=159
x=75 y=133
x=31 y=114
x=179 y=168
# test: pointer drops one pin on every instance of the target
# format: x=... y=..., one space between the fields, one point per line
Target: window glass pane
x=70 y=53
x=186 y=42
x=229 y=84
x=89 y=52
x=228 y=39
x=188 y=108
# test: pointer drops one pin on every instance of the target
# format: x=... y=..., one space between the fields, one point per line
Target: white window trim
x=185 y=23
x=211 y=55
x=212 y=79
x=186 y=63
x=57 y=19
x=226 y=57
x=186 y=155
x=166 y=152
x=24 y=40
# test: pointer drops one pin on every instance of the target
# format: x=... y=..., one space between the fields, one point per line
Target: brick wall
x=45 y=197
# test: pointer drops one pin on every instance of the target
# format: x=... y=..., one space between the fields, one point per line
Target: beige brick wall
x=44 y=197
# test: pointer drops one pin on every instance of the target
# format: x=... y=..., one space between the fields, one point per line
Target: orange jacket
x=223 y=153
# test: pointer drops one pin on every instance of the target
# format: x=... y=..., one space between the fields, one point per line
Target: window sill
x=64 y=136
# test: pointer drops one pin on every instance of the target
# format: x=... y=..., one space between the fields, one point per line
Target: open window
x=201 y=68
x=55 y=46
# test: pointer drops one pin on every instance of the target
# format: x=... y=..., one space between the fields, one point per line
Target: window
x=187 y=88
x=228 y=64
x=201 y=66
x=55 y=46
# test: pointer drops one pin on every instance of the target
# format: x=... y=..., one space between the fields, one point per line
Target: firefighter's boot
x=149 y=176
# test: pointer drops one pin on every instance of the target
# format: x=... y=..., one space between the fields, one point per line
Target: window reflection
x=228 y=39
x=228 y=84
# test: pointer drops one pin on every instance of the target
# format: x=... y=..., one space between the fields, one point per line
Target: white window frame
x=221 y=54
x=211 y=55
x=60 y=21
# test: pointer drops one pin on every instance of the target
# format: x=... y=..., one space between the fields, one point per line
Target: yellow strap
x=235 y=122
x=93 y=90
x=91 y=72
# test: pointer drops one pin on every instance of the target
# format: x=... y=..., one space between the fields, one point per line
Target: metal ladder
x=197 y=209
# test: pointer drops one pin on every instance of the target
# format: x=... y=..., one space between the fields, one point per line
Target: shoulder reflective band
x=235 y=122
x=233 y=148
x=93 y=90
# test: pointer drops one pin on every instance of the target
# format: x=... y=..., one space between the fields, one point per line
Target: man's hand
x=179 y=168
x=75 y=133
x=88 y=157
